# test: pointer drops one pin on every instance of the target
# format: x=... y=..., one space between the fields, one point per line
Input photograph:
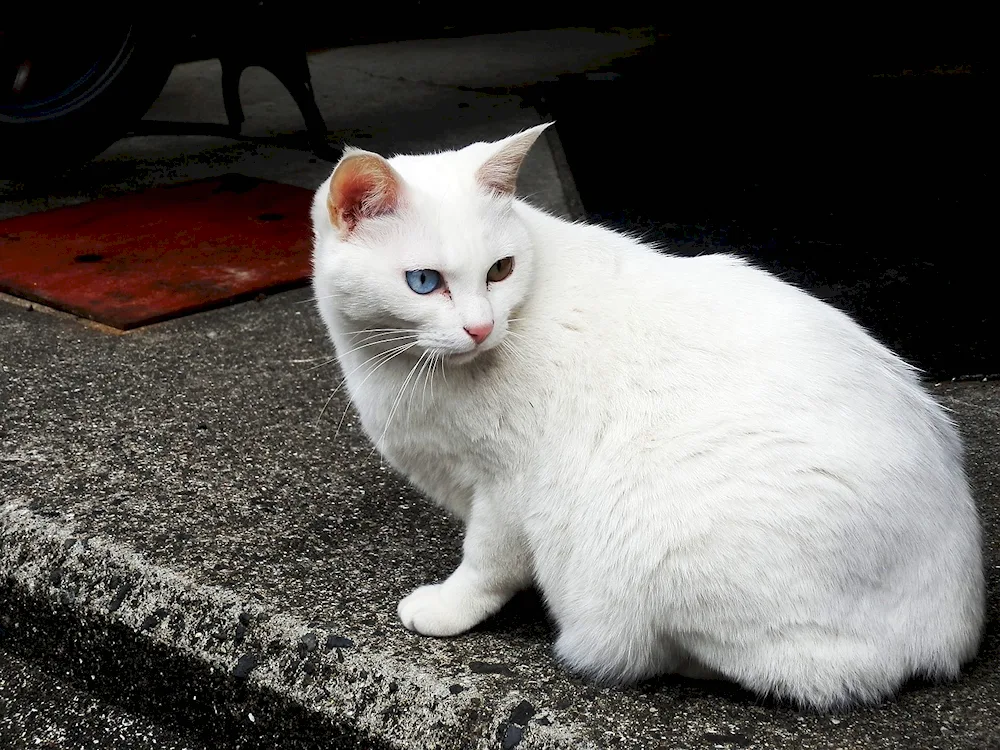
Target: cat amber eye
x=500 y=270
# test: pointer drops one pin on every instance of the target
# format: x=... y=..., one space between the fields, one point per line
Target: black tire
x=83 y=87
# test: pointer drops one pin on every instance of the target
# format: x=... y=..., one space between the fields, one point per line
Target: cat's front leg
x=495 y=565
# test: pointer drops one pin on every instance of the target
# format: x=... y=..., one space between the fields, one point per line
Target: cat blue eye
x=423 y=281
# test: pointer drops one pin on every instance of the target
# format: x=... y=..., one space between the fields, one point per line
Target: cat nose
x=479 y=332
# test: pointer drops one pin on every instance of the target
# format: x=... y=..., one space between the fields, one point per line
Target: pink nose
x=479 y=332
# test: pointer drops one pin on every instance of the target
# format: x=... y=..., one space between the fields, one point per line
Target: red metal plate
x=168 y=251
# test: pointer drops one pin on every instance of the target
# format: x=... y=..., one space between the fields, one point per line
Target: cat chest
x=429 y=446
x=419 y=435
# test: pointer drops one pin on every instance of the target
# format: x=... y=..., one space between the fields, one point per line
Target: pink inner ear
x=500 y=172
x=362 y=187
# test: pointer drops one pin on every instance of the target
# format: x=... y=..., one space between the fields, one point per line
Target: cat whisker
x=365 y=336
x=519 y=355
x=396 y=401
x=324 y=363
x=381 y=330
x=387 y=355
x=523 y=347
x=421 y=361
x=347 y=375
x=336 y=433
x=429 y=380
x=421 y=373
x=434 y=369
x=438 y=365
x=368 y=343
x=425 y=357
x=392 y=355
x=513 y=336
x=423 y=391
x=317 y=299
x=506 y=346
x=444 y=367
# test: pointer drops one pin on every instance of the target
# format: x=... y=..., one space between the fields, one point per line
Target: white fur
x=705 y=470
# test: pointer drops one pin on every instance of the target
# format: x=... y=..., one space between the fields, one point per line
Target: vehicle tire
x=66 y=94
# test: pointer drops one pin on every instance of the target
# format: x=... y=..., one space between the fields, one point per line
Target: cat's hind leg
x=820 y=672
x=610 y=651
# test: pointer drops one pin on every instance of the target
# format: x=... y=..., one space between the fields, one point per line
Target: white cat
x=706 y=471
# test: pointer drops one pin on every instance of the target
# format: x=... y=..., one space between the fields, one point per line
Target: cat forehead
x=452 y=246
x=454 y=233
x=444 y=194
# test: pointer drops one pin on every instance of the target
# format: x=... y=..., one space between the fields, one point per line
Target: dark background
x=847 y=153
x=862 y=177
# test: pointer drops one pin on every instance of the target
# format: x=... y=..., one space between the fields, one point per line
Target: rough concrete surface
x=162 y=485
x=39 y=711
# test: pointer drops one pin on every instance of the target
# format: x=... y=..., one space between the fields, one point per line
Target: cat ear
x=363 y=186
x=499 y=172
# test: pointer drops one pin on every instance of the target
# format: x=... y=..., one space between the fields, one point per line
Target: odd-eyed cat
x=706 y=471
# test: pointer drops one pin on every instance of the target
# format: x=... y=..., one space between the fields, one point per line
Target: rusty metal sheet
x=169 y=251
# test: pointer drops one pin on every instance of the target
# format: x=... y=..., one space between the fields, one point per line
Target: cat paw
x=431 y=610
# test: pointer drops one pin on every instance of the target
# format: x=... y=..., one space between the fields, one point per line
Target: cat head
x=427 y=245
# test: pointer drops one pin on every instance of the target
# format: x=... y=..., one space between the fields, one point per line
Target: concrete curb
x=260 y=679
